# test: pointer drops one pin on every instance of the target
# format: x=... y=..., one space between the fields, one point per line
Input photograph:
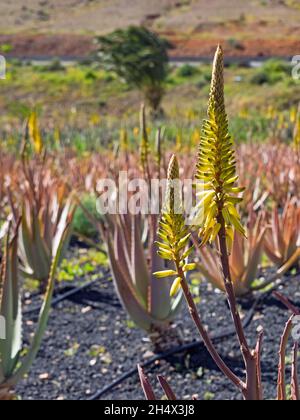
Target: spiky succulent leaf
x=144 y=147
x=10 y=309
x=146 y=300
x=160 y=304
x=25 y=364
x=40 y=235
x=244 y=259
x=282 y=240
x=140 y=269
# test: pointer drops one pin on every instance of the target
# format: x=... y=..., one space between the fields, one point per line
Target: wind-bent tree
x=140 y=58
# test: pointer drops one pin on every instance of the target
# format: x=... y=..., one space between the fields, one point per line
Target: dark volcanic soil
x=90 y=343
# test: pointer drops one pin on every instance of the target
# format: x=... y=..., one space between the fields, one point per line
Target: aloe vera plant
x=13 y=366
x=46 y=208
x=282 y=240
x=244 y=260
x=147 y=302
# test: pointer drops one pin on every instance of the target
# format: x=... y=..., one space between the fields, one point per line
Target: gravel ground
x=90 y=343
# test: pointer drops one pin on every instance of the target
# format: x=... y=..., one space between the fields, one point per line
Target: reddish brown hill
x=72 y=46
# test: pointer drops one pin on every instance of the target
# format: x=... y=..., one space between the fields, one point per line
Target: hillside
x=252 y=28
x=78 y=16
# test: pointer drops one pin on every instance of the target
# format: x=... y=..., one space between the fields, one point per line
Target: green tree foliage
x=140 y=58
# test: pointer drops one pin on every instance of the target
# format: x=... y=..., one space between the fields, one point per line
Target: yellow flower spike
x=136 y=131
x=173 y=232
x=179 y=140
x=297 y=130
x=175 y=287
x=57 y=136
x=95 y=119
x=293 y=115
x=124 y=140
x=216 y=168
x=196 y=136
x=144 y=147
x=34 y=133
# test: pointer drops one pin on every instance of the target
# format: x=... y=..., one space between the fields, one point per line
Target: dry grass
x=77 y=16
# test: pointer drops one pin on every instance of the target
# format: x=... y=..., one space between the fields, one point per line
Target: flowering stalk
x=174 y=247
x=144 y=147
x=217 y=215
x=217 y=218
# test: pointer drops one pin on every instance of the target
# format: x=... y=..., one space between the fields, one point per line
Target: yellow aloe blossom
x=136 y=131
x=216 y=169
x=173 y=233
x=34 y=133
x=123 y=140
x=144 y=146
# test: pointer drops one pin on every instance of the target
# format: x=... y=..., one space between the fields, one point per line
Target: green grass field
x=88 y=106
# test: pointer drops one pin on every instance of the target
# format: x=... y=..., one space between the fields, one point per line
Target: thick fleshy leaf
x=160 y=302
x=127 y=293
x=167 y=388
x=254 y=260
x=10 y=309
x=33 y=250
x=43 y=317
x=140 y=269
x=147 y=388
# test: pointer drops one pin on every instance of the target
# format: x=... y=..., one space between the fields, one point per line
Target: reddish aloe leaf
x=285 y=301
x=254 y=260
x=258 y=352
x=281 y=383
x=147 y=387
x=167 y=389
x=295 y=382
x=237 y=259
x=281 y=242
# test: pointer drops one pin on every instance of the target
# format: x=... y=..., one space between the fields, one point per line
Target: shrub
x=187 y=70
x=82 y=224
x=260 y=78
x=140 y=58
x=272 y=72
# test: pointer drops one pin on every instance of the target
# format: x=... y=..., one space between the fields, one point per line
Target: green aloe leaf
x=141 y=278
x=127 y=293
x=43 y=318
x=10 y=309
